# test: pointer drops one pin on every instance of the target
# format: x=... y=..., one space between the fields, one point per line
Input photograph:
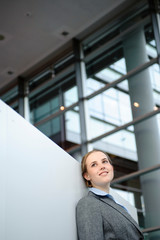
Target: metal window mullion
x=56 y=114
x=151 y=229
x=26 y=101
x=116 y=39
x=135 y=121
x=81 y=84
x=23 y=99
x=135 y=174
x=62 y=120
x=124 y=77
x=156 y=27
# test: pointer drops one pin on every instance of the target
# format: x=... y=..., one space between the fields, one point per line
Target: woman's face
x=99 y=170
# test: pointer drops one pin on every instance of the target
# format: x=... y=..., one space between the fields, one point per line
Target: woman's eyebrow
x=93 y=162
x=105 y=158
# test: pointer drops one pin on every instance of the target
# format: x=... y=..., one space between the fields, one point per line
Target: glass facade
x=119 y=102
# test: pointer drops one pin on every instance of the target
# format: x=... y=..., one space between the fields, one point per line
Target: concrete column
x=146 y=132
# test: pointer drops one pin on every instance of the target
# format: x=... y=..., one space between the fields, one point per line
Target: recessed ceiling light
x=65 y=33
x=10 y=72
x=28 y=14
x=2 y=37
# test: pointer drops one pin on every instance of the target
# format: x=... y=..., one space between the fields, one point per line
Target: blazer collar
x=117 y=207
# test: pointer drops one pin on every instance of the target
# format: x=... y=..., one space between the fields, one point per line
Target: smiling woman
x=99 y=216
x=97 y=170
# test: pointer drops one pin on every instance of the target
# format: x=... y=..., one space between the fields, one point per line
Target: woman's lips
x=103 y=173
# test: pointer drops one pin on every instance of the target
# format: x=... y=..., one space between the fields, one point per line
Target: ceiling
x=32 y=33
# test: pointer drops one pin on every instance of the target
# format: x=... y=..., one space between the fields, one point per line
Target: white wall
x=40 y=184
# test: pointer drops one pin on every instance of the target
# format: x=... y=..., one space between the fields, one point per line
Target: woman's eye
x=93 y=165
x=105 y=161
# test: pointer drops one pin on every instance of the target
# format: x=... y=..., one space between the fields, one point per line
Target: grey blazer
x=100 y=218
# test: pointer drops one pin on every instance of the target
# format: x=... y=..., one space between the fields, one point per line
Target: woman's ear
x=86 y=176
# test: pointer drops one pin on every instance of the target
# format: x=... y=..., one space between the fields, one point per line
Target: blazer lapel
x=120 y=209
x=117 y=207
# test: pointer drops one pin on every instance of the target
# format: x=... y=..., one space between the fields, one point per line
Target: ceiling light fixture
x=61 y=108
x=136 y=104
x=155 y=108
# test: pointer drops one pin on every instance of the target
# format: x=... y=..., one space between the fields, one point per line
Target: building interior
x=87 y=75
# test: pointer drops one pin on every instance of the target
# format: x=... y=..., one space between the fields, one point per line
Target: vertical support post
x=81 y=84
x=23 y=101
x=21 y=97
x=146 y=132
x=62 y=121
x=156 y=25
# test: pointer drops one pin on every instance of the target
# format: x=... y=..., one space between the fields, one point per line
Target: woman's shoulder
x=88 y=206
x=89 y=200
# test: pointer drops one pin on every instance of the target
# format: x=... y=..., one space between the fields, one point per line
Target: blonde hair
x=84 y=165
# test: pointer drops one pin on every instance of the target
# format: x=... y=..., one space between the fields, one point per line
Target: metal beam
x=152 y=229
x=135 y=174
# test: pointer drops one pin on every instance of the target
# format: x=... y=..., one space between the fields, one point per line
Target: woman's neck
x=103 y=188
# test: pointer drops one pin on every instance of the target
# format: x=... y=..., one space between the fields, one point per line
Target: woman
x=99 y=217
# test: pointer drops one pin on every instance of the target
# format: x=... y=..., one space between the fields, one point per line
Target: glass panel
x=70 y=96
x=41 y=111
x=48 y=97
x=151 y=49
x=109 y=110
x=50 y=127
x=98 y=127
x=128 y=196
x=72 y=124
x=155 y=77
x=93 y=85
x=11 y=94
x=108 y=75
x=45 y=128
x=119 y=66
x=11 y=98
x=121 y=143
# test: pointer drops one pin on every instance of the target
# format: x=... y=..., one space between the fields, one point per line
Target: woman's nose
x=102 y=167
